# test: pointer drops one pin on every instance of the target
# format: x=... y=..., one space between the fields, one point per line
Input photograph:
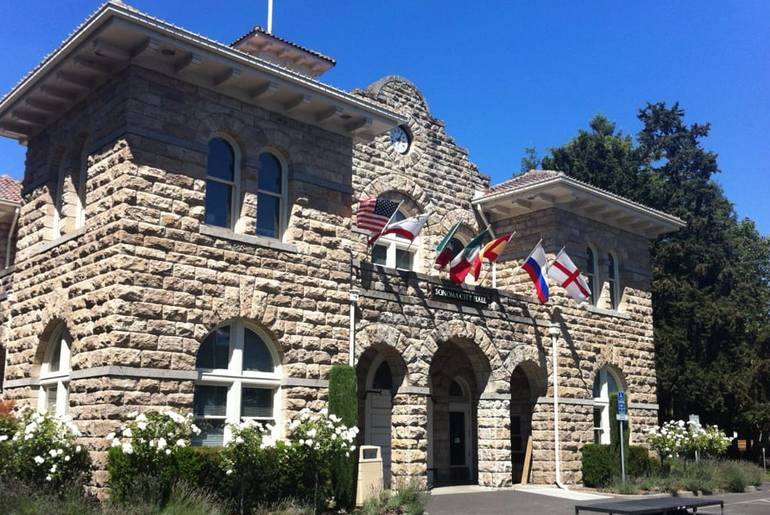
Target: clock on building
x=400 y=140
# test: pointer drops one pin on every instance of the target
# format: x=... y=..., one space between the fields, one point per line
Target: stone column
x=494 y=441
x=409 y=439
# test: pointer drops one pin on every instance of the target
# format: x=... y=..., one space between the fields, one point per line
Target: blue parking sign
x=621 y=406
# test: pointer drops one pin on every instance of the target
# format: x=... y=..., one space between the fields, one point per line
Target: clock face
x=399 y=139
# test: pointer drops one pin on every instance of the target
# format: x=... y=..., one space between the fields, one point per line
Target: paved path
x=474 y=501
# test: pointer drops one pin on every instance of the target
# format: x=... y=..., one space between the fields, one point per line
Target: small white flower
x=127 y=448
x=48 y=478
x=141 y=425
x=312 y=433
x=162 y=443
x=141 y=418
x=78 y=448
x=39 y=460
x=66 y=458
x=3 y=438
x=133 y=414
x=59 y=452
x=195 y=429
x=168 y=451
x=52 y=452
x=228 y=472
x=116 y=442
x=181 y=443
x=110 y=436
x=239 y=440
x=127 y=432
x=53 y=468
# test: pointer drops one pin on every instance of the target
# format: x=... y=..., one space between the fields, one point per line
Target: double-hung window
x=605 y=384
x=239 y=379
x=271 y=191
x=394 y=251
x=53 y=394
x=221 y=184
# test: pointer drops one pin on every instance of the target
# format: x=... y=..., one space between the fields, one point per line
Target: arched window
x=222 y=169
x=383 y=378
x=53 y=395
x=605 y=384
x=590 y=273
x=239 y=378
x=394 y=251
x=271 y=191
x=612 y=281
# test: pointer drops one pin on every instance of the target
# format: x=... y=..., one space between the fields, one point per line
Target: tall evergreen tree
x=711 y=280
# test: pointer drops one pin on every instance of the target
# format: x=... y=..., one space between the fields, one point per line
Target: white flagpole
x=269 y=16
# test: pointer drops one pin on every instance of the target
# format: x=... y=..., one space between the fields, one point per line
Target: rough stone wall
x=436 y=175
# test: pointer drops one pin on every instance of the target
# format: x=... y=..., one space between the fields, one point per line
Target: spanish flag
x=491 y=251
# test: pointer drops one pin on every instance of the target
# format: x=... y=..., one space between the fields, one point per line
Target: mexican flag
x=461 y=264
x=491 y=251
x=444 y=251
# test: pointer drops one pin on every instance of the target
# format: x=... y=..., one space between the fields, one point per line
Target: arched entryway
x=380 y=371
x=528 y=382
x=459 y=373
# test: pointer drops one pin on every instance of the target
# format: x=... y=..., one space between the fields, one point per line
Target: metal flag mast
x=269 y=16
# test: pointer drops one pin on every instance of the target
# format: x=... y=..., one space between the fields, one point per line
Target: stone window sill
x=260 y=241
x=608 y=312
x=45 y=246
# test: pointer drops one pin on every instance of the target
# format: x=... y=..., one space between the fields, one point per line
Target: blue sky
x=502 y=75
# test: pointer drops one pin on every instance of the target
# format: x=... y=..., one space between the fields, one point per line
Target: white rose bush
x=677 y=438
x=148 y=453
x=41 y=449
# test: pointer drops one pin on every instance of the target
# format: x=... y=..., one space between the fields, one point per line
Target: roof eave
x=274 y=87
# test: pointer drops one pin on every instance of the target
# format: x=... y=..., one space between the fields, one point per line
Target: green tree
x=530 y=161
x=711 y=279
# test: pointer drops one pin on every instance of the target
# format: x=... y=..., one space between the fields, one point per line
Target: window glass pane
x=380 y=255
x=270 y=173
x=212 y=433
x=268 y=215
x=257 y=402
x=398 y=216
x=55 y=364
x=256 y=355
x=597 y=425
x=404 y=259
x=221 y=160
x=589 y=261
x=610 y=267
x=219 y=198
x=597 y=385
x=50 y=396
x=209 y=401
x=612 y=385
x=215 y=350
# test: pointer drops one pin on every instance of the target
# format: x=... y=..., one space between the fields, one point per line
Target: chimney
x=259 y=43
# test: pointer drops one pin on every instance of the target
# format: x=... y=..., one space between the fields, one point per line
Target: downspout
x=352 y=329
x=10 y=238
x=554 y=332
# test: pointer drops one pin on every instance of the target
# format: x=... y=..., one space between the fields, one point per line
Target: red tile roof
x=524 y=179
x=10 y=189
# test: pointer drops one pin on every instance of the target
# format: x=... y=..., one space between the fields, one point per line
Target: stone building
x=187 y=239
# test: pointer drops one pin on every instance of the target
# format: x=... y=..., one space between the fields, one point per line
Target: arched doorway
x=459 y=373
x=381 y=371
x=527 y=384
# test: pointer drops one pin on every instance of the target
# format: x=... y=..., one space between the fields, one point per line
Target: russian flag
x=536 y=266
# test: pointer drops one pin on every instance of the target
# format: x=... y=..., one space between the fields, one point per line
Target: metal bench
x=662 y=505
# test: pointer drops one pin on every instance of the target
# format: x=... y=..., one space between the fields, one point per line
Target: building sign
x=457 y=295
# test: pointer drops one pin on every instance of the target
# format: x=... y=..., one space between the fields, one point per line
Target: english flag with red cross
x=568 y=276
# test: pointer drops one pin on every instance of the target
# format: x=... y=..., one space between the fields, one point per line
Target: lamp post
x=554 y=331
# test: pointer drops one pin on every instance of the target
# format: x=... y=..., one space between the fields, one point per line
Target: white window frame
x=282 y=198
x=235 y=378
x=394 y=242
x=235 y=184
x=55 y=379
x=603 y=402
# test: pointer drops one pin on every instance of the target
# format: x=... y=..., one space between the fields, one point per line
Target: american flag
x=374 y=213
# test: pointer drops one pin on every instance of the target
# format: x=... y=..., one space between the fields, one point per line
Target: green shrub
x=343 y=402
x=149 y=454
x=18 y=498
x=640 y=463
x=597 y=464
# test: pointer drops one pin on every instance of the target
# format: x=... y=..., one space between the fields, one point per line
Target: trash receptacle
x=369 y=473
